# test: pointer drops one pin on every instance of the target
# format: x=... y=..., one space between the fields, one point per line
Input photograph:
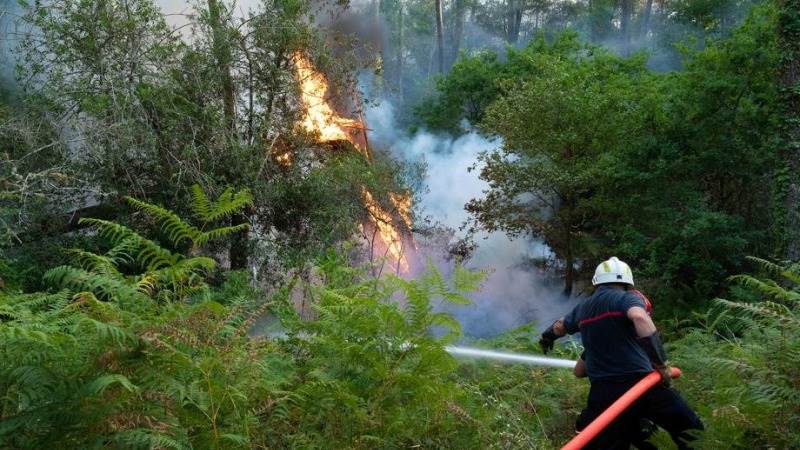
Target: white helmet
x=612 y=271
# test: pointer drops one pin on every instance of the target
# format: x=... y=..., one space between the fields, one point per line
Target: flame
x=402 y=202
x=320 y=117
x=389 y=233
x=322 y=120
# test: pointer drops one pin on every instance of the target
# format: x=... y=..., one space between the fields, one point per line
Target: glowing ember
x=320 y=117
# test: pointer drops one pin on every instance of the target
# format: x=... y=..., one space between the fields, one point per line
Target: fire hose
x=598 y=424
x=616 y=408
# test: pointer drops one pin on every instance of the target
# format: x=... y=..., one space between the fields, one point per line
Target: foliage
x=82 y=371
x=543 y=179
x=120 y=349
x=143 y=340
x=742 y=366
x=601 y=155
x=511 y=400
x=148 y=107
x=370 y=369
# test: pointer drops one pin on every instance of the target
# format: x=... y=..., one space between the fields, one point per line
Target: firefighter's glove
x=548 y=340
x=666 y=378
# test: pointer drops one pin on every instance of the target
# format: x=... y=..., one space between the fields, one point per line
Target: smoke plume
x=514 y=293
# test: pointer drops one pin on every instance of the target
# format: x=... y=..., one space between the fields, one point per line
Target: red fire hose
x=616 y=408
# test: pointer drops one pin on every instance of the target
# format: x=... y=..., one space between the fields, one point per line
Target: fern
x=752 y=360
x=768 y=288
x=205 y=210
x=228 y=203
x=173 y=226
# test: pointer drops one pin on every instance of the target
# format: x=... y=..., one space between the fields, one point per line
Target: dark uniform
x=614 y=363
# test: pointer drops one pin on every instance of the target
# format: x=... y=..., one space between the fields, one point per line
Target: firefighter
x=644 y=428
x=622 y=346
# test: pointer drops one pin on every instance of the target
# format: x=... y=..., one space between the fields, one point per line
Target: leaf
x=100 y=384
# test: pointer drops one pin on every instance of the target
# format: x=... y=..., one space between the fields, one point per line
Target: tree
x=460 y=11
x=626 y=14
x=439 y=14
x=789 y=35
x=555 y=127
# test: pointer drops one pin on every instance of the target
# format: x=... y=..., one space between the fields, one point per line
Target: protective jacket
x=612 y=352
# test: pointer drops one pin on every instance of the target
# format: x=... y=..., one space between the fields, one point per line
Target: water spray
x=510 y=357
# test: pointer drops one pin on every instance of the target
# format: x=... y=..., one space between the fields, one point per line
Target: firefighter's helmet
x=612 y=271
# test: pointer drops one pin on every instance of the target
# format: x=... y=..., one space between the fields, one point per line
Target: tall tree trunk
x=440 y=35
x=625 y=27
x=513 y=20
x=789 y=29
x=222 y=53
x=221 y=47
x=400 y=48
x=569 y=266
x=458 y=29
x=648 y=11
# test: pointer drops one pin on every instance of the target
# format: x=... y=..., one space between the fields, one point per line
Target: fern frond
x=790 y=272
x=767 y=288
x=144 y=438
x=767 y=266
x=185 y=278
x=153 y=257
x=100 y=284
x=104 y=331
x=764 y=309
x=466 y=280
x=217 y=233
x=171 y=224
x=774 y=394
x=96 y=263
x=112 y=231
x=101 y=383
x=37 y=301
x=201 y=205
x=447 y=321
x=228 y=203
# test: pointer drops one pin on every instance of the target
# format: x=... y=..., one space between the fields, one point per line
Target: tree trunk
x=648 y=10
x=789 y=29
x=439 y=35
x=239 y=251
x=625 y=27
x=513 y=21
x=458 y=29
x=569 y=266
x=399 y=49
x=222 y=53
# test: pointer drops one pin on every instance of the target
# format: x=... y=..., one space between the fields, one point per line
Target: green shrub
x=742 y=367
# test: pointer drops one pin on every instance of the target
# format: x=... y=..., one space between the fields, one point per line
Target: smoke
x=514 y=293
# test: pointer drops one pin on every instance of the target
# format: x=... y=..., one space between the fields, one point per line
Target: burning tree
x=386 y=230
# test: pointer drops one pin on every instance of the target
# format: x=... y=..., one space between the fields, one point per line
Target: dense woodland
x=161 y=199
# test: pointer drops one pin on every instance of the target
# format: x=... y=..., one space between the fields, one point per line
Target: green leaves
x=228 y=203
x=747 y=360
x=374 y=360
x=207 y=211
x=100 y=384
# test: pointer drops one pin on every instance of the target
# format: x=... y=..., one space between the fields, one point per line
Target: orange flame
x=321 y=119
x=389 y=233
x=402 y=202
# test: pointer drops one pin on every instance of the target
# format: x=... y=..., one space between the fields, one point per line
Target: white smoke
x=513 y=294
